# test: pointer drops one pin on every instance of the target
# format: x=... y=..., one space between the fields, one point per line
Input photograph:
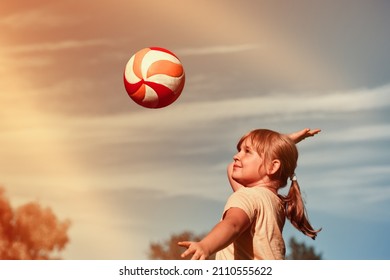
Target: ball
x=154 y=77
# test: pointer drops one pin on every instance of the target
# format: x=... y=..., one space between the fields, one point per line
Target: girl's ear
x=274 y=167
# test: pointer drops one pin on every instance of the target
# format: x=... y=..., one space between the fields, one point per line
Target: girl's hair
x=272 y=145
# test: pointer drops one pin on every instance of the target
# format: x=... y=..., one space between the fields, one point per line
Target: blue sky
x=126 y=176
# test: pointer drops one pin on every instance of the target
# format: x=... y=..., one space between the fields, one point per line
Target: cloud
x=275 y=107
x=364 y=132
x=38 y=17
x=211 y=50
x=57 y=46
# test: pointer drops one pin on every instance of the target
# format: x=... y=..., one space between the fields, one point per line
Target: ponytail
x=296 y=211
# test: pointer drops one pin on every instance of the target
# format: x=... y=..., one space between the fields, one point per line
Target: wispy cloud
x=293 y=105
x=363 y=132
x=39 y=18
x=56 y=46
x=222 y=49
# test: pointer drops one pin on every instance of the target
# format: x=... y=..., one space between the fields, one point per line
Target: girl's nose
x=235 y=157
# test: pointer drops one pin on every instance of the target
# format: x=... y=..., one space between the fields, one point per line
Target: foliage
x=30 y=232
x=300 y=251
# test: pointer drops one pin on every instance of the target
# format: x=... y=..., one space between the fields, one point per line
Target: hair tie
x=293 y=177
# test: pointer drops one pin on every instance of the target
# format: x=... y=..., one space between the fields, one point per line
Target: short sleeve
x=244 y=200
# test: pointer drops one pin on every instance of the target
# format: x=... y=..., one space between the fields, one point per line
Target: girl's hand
x=195 y=249
x=298 y=136
x=233 y=183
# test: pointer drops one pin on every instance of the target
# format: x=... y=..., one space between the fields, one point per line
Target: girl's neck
x=270 y=185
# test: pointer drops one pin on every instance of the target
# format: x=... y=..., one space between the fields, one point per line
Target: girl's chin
x=238 y=180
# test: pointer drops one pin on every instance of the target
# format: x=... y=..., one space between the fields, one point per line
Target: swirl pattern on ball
x=154 y=77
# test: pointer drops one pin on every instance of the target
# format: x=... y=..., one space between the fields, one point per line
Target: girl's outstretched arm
x=225 y=232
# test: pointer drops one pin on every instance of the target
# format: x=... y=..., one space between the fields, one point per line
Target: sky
x=72 y=140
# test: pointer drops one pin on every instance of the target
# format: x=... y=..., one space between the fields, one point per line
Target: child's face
x=248 y=168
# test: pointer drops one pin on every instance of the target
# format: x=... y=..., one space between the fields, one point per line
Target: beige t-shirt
x=263 y=239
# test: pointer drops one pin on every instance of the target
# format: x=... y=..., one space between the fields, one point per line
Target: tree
x=30 y=232
x=169 y=250
x=299 y=251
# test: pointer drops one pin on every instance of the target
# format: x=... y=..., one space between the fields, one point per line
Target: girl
x=254 y=215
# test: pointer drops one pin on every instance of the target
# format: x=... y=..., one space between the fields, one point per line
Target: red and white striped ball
x=154 y=77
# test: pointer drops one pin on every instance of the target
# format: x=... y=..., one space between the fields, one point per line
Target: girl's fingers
x=184 y=243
